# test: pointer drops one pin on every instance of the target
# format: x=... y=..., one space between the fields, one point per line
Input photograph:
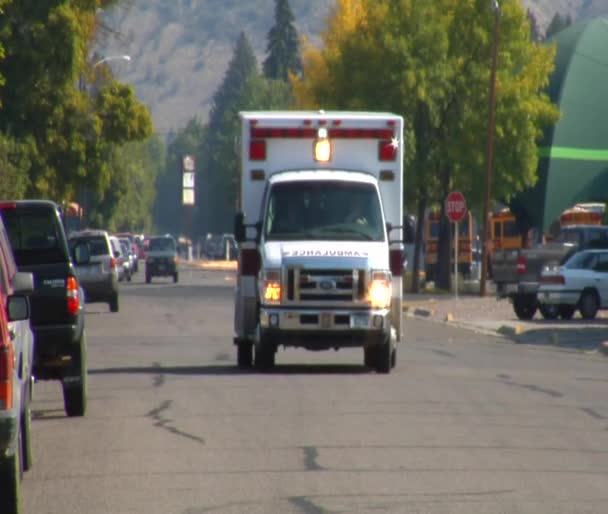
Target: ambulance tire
x=264 y=355
x=384 y=357
x=244 y=353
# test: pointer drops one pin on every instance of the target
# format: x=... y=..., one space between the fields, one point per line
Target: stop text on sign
x=455 y=206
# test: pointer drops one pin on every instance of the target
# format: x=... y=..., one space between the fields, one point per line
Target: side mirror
x=18 y=308
x=23 y=282
x=81 y=253
x=239 y=227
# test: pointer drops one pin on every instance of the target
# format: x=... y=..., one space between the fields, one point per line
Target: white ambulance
x=319 y=227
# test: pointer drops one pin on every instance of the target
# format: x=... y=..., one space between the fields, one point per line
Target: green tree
x=169 y=213
x=430 y=62
x=557 y=24
x=47 y=102
x=219 y=165
x=282 y=44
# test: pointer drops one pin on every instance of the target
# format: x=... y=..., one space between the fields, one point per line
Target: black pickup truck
x=39 y=244
x=516 y=273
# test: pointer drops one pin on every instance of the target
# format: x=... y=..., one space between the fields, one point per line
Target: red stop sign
x=455 y=206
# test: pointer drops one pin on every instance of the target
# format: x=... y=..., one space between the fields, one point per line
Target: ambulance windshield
x=324 y=210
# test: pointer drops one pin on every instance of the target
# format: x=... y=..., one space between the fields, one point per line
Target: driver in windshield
x=356 y=212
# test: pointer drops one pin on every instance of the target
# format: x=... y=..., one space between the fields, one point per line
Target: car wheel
x=588 y=305
x=264 y=355
x=384 y=357
x=244 y=353
x=74 y=383
x=524 y=306
x=548 y=311
x=9 y=484
x=394 y=357
x=175 y=277
x=26 y=434
x=114 y=303
x=566 y=311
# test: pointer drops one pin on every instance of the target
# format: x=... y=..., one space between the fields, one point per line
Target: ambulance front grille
x=325 y=285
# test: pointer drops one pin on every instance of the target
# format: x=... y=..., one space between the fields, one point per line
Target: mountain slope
x=180 y=48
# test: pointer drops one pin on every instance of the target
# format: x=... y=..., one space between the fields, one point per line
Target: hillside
x=180 y=48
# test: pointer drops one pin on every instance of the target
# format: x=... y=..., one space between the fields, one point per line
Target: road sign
x=188 y=163
x=455 y=206
x=188 y=179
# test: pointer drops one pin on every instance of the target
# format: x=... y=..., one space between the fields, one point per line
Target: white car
x=580 y=283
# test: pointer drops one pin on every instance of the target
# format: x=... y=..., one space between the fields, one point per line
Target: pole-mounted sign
x=188 y=168
x=455 y=210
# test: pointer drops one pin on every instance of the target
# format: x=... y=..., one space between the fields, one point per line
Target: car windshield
x=35 y=236
x=98 y=245
x=163 y=244
x=324 y=210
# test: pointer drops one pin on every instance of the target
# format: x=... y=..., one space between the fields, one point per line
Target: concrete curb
x=510 y=330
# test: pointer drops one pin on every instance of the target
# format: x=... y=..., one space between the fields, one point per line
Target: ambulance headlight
x=322 y=146
x=380 y=290
x=270 y=287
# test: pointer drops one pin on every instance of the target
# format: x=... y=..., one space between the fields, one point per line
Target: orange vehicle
x=582 y=214
x=468 y=245
x=504 y=232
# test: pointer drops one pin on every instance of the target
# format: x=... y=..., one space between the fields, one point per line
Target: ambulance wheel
x=394 y=358
x=384 y=357
x=264 y=355
x=244 y=353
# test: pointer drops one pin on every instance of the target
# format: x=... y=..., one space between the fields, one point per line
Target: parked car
x=161 y=258
x=99 y=276
x=119 y=256
x=129 y=254
x=580 y=284
x=37 y=236
x=133 y=247
x=220 y=247
x=16 y=379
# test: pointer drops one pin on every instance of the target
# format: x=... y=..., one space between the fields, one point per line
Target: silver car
x=581 y=283
x=99 y=276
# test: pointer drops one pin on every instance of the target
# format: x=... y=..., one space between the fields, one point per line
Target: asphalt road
x=466 y=423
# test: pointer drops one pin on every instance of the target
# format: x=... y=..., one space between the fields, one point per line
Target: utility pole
x=489 y=152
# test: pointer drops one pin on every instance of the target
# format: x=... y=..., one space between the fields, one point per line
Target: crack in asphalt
x=162 y=422
x=311 y=455
x=593 y=413
x=534 y=388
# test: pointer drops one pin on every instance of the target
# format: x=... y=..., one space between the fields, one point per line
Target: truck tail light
x=73 y=296
x=396 y=257
x=521 y=265
x=257 y=150
x=112 y=263
x=249 y=262
x=6 y=377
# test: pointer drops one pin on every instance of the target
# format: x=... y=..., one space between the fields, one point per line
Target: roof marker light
x=322 y=146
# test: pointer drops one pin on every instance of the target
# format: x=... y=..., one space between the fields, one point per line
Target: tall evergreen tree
x=535 y=34
x=557 y=24
x=283 y=45
x=219 y=161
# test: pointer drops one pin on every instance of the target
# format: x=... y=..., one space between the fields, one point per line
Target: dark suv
x=39 y=244
x=161 y=258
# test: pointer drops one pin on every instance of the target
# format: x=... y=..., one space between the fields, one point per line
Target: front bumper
x=325 y=328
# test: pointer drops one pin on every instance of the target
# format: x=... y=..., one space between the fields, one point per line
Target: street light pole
x=112 y=58
x=489 y=152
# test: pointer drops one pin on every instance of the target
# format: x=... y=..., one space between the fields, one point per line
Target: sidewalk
x=487 y=315
x=495 y=317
